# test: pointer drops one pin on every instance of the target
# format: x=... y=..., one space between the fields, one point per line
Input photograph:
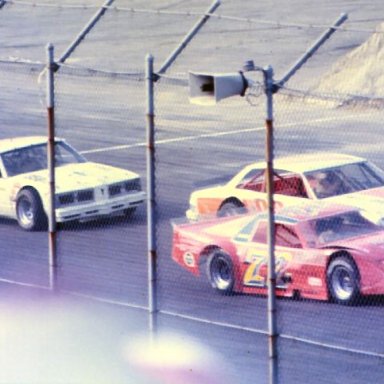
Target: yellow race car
x=84 y=190
x=341 y=178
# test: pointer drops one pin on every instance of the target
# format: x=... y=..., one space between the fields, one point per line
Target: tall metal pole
x=172 y=57
x=51 y=168
x=272 y=324
x=151 y=201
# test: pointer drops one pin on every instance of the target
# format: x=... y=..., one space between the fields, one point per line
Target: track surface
x=107 y=258
x=105 y=119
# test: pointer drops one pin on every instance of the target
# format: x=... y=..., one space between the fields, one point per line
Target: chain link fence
x=326 y=125
x=95 y=111
x=101 y=113
x=23 y=110
x=206 y=148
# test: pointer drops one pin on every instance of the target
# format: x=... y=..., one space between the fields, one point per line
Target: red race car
x=322 y=251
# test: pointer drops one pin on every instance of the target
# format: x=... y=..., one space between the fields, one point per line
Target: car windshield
x=341 y=227
x=34 y=158
x=345 y=179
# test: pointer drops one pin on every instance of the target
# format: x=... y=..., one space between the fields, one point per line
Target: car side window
x=286 y=236
x=289 y=185
x=260 y=235
x=253 y=180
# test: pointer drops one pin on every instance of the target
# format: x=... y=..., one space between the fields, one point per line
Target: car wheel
x=220 y=272
x=231 y=208
x=29 y=211
x=343 y=280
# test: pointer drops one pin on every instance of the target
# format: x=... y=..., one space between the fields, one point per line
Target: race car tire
x=343 y=280
x=230 y=208
x=29 y=211
x=220 y=271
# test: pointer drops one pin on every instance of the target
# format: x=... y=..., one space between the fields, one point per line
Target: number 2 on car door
x=253 y=275
x=256 y=273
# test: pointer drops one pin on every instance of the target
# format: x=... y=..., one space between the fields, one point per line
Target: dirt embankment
x=360 y=73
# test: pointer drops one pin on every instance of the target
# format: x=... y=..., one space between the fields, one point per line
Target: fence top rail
x=274 y=23
x=83 y=70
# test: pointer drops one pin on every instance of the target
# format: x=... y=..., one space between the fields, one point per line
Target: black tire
x=29 y=211
x=343 y=280
x=231 y=208
x=220 y=272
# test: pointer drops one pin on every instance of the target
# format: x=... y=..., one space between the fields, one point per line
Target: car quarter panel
x=191 y=242
x=8 y=192
x=370 y=262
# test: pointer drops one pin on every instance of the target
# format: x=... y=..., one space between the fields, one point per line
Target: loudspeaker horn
x=208 y=89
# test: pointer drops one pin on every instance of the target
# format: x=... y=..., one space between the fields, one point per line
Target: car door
x=6 y=207
x=249 y=188
x=255 y=255
x=288 y=189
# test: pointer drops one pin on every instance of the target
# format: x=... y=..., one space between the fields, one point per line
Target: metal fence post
x=51 y=168
x=272 y=327
x=151 y=201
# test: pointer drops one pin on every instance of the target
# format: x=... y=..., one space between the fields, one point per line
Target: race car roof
x=310 y=162
x=21 y=142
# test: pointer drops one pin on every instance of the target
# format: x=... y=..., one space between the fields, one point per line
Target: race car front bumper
x=99 y=208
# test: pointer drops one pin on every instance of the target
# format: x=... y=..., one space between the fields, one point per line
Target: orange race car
x=323 y=251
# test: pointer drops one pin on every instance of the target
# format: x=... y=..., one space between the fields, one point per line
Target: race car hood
x=79 y=176
x=370 y=203
x=209 y=191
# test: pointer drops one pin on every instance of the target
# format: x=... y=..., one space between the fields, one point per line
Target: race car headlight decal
x=66 y=198
x=86 y=195
x=114 y=189
x=132 y=185
x=124 y=187
x=69 y=198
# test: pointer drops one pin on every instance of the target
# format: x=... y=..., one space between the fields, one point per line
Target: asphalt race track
x=104 y=118
x=107 y=258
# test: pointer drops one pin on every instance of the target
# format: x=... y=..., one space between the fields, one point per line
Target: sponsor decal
x=189 y=259
x=36 y=178
x=79 y=173
x=15 y=189
x=256 y=273
x=315 y=281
